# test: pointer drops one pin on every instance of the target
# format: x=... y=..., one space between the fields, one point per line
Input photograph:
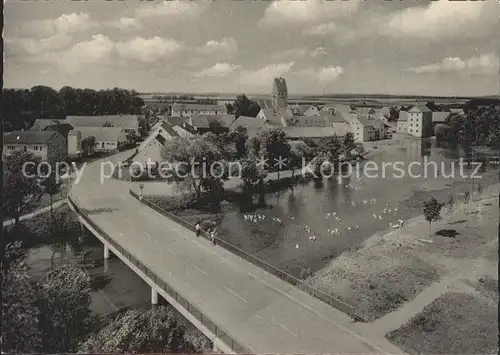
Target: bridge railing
x=221 y=334
x=300 y=284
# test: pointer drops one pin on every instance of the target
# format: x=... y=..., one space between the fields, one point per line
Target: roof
x=300 y=110
x=439 y=117
x=265 y=103
x=29 y=137
x=419 y=108
x=338 y=107
x=366 y=110
x=198 y=107
x=307 y=121
x=123 y=121
x=42 y=124
x=204 y=121
x=333 y=117
x=169 y=129
x=252 y=124
x=365 y=121
x=403 y=116
x=456 y=110
x=101 y=134
x=312 y=132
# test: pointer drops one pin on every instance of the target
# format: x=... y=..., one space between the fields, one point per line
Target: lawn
x=455 y=323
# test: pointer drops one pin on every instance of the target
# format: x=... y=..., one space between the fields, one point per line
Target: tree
x=19 y=185
x=216 y=127
x=239 y=136
x=299 y=151
x=143 y=127
x=64 y=303
x=253 y=175
x=432 y=212
x=194 y=159
x=20 y=316
x=243 y=106
x=274 y=147
x=152 y=331
x=329 y=149
x=348 y=145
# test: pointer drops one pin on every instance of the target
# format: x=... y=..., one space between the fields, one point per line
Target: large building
x=128 y=123
x=420 y=121
x=188 y=110
x=107 y=139
x=47 y=145
x=280 y=93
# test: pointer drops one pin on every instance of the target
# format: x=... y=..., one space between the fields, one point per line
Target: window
x=25 y=148
x=11 y=147
x=35 y=147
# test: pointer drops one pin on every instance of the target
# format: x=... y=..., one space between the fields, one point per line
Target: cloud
x=126 y=24
x=323 y=29
x=442 y=19
x=261 y=77
x=64 y=24
x=32 y=46
x=290 y=54
x=319 y=52
x=218 y=70
x=98 y=50
x=306 y=12
x=482 y=64
x=226 y=46
x=172 y=10
x=147 y=49
x=323 y=75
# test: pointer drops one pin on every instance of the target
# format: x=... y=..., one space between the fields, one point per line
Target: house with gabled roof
x=47 y=145
x=420 y=121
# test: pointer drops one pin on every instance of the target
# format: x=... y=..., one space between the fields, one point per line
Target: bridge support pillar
x=154 y=297
x=106 y=252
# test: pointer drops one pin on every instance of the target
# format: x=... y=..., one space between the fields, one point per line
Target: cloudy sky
x=407 y=47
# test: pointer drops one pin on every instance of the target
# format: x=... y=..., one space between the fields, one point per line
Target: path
x=34 y=213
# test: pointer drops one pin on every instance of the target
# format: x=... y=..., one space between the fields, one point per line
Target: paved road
x=265 y=314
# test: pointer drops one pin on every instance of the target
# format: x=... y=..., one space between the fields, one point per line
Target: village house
x=366 y=129
x=107 y=139
x=188 y=110
x=402 y=123
x=52 y=125
x=150 y=149
x=49 y=146
x=205 y=123
x=419 y=121
x=127 y=123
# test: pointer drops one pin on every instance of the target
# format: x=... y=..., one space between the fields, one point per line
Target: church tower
x=280 y=94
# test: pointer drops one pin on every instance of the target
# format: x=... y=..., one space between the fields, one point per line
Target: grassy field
x=392 y=268
x=455 y=323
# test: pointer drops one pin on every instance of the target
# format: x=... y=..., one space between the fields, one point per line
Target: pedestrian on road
x=212 y=237
x=140 y=196
x=198 y=228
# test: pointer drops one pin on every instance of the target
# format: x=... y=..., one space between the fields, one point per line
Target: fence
x=301 y=285
x=221 y=334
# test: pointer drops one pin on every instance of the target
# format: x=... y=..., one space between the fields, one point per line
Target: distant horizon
x=301 y=95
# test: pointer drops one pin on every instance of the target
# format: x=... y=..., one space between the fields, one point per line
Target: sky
x=320 y=47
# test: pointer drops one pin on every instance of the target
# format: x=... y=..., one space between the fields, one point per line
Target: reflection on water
x=361 y=207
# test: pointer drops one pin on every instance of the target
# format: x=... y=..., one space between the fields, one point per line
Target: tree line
x=479 y=126
x=219 y=151
x=23 y=106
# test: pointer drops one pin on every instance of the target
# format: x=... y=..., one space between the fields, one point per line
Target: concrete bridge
x=239 y=306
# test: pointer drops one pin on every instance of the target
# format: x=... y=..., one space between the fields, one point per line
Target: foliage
x=432 y=211
x=195 y=158
x=393 y=114
x=21 y=332
x=23 y=106
x=299 y=151
x=272 y=145
x=216 y=127
x=88 y=145
x=251 y=172
x=19 y=187
x=243 y=106
x=480 y=126
x=143 y=127
x=55 y=229
x=152 y=331
x=64 y=303
x=239 y=137
x=330 y=148
x=348 y=144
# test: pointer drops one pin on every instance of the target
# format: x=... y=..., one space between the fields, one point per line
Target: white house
x=402 y=123
x=366 y=129
x=128 y=123
x=107 y=139
x=420 y=121
x=188 y=110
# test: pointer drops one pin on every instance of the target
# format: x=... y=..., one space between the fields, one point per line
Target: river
x=281 y=238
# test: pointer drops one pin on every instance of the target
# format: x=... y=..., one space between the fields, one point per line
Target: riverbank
x=394 y=274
